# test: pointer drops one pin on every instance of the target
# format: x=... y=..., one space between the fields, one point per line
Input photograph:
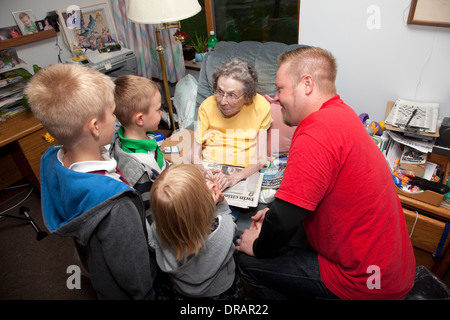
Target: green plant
x=200 y=44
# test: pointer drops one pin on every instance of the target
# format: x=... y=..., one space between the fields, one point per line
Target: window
x=258 y=20
x=240 y=20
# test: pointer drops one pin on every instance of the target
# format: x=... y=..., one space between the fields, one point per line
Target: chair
x=427 y=287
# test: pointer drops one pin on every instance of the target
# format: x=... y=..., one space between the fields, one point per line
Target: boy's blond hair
x=64 y=97
x=183 y=208
x=133 y=94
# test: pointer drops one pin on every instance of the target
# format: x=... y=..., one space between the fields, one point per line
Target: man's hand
x=258 y=218
x=248 y=236
x=245 y=242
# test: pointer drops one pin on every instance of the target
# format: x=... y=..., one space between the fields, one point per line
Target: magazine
x=245 y=193
x=275 y=171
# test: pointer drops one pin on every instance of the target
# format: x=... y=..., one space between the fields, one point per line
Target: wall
x=393 y=60
x=45 y=52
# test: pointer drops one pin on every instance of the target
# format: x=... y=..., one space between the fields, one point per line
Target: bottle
x=368 y=126
x=212 y=40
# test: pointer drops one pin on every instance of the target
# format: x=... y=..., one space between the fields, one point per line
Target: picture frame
x=26 y=21
x=430 y=13
x=44 y=24
x=10 y=32
x=88 y=27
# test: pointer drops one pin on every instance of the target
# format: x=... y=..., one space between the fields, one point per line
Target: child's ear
x=93 y=127
x=139 y=118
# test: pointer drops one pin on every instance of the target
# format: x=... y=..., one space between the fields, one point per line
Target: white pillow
x=184 y=101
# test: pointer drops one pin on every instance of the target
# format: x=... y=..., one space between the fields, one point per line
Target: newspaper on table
x=245 y=193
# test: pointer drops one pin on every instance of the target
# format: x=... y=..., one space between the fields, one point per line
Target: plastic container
x=212 y=40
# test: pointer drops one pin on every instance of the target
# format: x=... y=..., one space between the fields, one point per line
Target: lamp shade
x=160 y=11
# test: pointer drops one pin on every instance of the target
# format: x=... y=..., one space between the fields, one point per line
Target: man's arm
x=280 y=224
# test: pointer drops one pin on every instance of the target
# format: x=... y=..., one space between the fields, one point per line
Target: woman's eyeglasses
x=231 y=97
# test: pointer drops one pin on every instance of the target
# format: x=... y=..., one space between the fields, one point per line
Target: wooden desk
x=22 y=144
x=428 y=223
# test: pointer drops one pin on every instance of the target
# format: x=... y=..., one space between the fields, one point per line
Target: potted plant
x=200 y=46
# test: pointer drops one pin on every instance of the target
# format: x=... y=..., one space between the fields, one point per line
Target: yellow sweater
x=232 y=141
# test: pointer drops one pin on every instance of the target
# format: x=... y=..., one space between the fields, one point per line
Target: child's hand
x=216 y=193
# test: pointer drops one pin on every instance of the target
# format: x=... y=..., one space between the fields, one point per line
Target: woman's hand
x=224 y=181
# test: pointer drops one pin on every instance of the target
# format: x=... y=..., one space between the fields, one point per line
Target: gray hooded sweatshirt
x=210 y=272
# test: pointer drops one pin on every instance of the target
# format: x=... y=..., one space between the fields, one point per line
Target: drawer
x=427 y=231
x=426 y=234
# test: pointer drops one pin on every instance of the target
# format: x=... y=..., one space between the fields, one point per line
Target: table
x=22 y=145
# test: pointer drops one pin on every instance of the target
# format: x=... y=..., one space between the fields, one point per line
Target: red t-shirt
x=357 y=225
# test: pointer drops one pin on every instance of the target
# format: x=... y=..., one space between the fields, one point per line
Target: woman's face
x=230 y=96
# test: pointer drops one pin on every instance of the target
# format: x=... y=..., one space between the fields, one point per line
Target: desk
x=428 y=224
x=21 y=147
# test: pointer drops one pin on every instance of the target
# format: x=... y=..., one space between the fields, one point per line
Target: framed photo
x=10 y=32
x=26 y=21
x=88 y=27
x=43 y=25
x=8 y=59
x=430 y=12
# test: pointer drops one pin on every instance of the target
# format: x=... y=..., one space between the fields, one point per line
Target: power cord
x=26 y=197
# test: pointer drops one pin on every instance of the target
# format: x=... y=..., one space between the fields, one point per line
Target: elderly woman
x=232 y=124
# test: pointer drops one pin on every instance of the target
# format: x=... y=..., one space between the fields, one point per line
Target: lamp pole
x=162 y=61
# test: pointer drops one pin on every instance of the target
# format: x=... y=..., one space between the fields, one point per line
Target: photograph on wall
x=10 y=32
x=88 y=27
x=8 y=59
x=26 y=21
x=44 y=25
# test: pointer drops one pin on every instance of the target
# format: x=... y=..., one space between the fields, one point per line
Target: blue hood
x=67 y=194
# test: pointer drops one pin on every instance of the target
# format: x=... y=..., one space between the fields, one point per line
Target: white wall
x=376 y=65
x=44 y=52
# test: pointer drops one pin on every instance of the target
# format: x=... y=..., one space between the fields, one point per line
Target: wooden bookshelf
x=29 y=38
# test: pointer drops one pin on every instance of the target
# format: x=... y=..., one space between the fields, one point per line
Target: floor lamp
x=168 y=13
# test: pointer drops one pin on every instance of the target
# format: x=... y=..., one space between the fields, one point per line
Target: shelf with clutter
x=420 y=176
x=29 y=38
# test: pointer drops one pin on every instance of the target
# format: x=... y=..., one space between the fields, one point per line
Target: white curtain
x=141 y=38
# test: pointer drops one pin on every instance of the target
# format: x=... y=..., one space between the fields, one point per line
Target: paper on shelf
x=421 y=146
x=425 y=117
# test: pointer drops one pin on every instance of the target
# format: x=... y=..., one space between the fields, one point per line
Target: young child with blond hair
x=193 y=233
x=138 y=109
x=84 y=196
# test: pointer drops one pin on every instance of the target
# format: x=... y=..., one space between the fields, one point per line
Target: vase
x=199 y=56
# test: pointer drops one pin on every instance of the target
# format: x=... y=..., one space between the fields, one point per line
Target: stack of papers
x=414 y=116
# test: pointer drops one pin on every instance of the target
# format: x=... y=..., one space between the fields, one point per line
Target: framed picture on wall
x=26 y=21
x=87 y=27
x=430 y=12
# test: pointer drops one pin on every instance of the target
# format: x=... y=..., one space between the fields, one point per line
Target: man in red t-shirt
x=338 y=186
